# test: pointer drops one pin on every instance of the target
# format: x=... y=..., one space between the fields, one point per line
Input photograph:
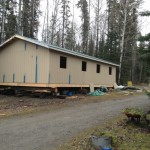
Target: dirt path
x=47 y=130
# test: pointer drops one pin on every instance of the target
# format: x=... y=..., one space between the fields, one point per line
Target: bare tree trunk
x=134 y=49
x=47 y=20
x=54 y=20
x=19 y=19
x=141 y=72
x=133 y=61
x=3 y=22
x=123 y=37
x=73 y=38
x=32 y=18
x=97 y=26
x=87 y=49
x=43 y=30
x=63 y=27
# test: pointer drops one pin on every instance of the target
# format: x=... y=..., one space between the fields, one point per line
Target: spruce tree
x=11 y=19
x=144 y=52
x=8 y=19
x=83 y=5
x=70 y=40
x=30 y=18
x=113 y=35
x=122 y=36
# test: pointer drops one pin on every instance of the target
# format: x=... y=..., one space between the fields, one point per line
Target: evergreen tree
x=122 y=36
x=144 y=59
x=144 y=56
x=8 y=24
x=30 y=18
x=112 y=48
x=26 y=18
x=70 y=41
x=11 y=19
x=83 y=5
x=91 y=45
x=129 y=44
x=102 y=47
x=58 y=38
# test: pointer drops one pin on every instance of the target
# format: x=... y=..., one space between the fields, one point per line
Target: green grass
x=126 y=136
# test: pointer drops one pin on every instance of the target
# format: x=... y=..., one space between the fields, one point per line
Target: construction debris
x=118 y=86
x=96 y=93
x=2 y=114
x=71 y=97
x=101 y=142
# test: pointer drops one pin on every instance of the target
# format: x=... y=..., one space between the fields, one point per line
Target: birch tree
x=123 y=37
x=128 y=43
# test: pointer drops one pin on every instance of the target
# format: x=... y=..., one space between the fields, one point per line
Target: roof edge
x=59 y=49
x=8 y=40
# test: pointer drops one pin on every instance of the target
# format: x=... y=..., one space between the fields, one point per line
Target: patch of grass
x=109 y=96
x=126 y=136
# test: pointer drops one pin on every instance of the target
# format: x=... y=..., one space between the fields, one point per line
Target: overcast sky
x=145 y=21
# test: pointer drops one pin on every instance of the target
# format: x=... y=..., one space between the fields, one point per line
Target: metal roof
x=59 y=49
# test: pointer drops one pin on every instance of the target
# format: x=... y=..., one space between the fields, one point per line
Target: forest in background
x=110 y=33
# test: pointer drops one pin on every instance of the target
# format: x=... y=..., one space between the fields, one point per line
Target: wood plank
x=50 y=85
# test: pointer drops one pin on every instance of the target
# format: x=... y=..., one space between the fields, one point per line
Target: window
x=63 y=62
x=110 y=70
x=83 y=66
x=98 y=68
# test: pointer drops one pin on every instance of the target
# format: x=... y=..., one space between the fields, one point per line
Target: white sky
x=144 y=22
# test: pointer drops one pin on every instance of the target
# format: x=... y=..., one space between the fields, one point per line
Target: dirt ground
x=12 y=105
x=50 y=129
x=46 y=130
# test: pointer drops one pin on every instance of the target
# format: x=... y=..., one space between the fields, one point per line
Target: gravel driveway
x=47 y=130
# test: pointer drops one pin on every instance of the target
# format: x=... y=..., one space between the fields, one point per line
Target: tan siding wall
x=14 y=59
x=74 y=64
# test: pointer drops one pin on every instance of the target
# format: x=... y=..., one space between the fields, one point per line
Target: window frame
x=84 y=66
x=63 y=62
x=110 y=70
x=98 y=68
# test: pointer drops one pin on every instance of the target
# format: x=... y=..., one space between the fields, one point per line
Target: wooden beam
x=50 y=85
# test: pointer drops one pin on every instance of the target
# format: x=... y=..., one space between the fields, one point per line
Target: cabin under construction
x=25 y=62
